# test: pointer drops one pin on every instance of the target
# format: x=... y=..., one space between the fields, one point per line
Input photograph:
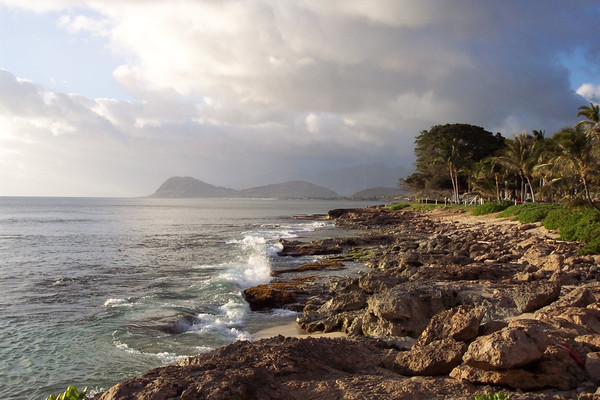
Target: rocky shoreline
x=452 y=306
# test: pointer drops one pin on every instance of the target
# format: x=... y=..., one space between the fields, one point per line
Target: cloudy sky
x=111 y=97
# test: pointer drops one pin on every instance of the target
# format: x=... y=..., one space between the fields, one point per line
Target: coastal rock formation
x=453 y=306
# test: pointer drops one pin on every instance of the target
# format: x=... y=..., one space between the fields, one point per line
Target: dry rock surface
x=452 y=306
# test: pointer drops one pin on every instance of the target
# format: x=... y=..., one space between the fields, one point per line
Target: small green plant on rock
x=492 y=396
x=70 y=394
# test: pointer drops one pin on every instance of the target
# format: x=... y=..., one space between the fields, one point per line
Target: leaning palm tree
x=592 y=115
x=576 y=156
x=520 y=156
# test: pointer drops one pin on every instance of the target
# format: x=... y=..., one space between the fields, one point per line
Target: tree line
x=453 y=159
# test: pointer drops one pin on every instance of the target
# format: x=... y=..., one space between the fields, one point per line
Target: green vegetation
x=398 y=206
x=454 y=149
x=492 y=207
x=577 y=223
x=70 y=394
x=492 y=396
x=453 y=159
x=354 y=254
x=529 y=212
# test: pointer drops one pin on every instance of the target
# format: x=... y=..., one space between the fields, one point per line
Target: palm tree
x=484 y=171
x=592 y=113
x=520 y=156
x=576 y=156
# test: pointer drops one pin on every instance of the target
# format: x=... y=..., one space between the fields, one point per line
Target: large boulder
x=511 y=347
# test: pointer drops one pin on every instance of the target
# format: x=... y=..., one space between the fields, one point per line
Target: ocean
x=96 y=290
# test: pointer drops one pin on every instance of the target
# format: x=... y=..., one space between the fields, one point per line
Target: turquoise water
x=93 y=291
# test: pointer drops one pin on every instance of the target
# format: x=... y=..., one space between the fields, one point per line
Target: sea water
x=95 y=290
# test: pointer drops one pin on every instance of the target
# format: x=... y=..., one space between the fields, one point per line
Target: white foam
x=168 y=358
x=117 y=303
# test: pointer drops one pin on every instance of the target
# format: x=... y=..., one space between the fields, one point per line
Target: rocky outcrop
x=453 y=306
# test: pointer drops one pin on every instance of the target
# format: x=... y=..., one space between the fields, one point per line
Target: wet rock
x=297 y=248
x=278 y=294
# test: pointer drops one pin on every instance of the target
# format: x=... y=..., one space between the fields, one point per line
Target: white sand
x=291 y=330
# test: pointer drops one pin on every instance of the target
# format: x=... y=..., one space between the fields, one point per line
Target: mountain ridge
x=189 y=187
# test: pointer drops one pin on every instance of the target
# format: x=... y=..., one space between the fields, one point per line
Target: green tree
x=453 y=148
x=520 y=156
x=592 y=115
x=576 y=156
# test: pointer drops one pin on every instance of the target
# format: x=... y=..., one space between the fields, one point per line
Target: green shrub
x=554 y=218
x=70 y=394
x=492 y=207
x=492 y=396
x=511 y=211
x=535 y=212
x=581 y=224
x=398 y=206
x=529 y=212
x=593 y=247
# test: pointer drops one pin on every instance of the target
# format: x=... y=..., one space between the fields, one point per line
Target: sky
x=111 y=97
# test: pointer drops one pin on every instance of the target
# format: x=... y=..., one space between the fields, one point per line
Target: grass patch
x=398 y=206
x=492 y=207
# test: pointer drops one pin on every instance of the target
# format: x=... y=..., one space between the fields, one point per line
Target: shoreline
x=452 y=306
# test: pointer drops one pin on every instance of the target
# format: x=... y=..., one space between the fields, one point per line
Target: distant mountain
x=182 y=187
x=377 y=193
x=290 y=190
x=187 y=187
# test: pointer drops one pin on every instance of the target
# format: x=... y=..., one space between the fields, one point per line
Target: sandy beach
x=292 y=330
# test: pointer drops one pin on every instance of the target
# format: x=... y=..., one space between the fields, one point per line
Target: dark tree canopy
x=446 y=152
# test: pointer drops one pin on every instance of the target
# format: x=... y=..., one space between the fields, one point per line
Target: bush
x=535 y=212
x=581 y=224
x=70 y=394
x=492 y=207
x=511 y=211
x=554 y=218
x=398 y=206
x=529 y=212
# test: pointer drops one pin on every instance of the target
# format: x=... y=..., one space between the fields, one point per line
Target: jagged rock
x=531 y=296
x=460 y=323
x=508 y=348
x=436 y=358
x=410 y=306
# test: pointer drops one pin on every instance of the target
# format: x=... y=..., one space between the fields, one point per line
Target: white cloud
x=304 y=83
x=590 y=92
